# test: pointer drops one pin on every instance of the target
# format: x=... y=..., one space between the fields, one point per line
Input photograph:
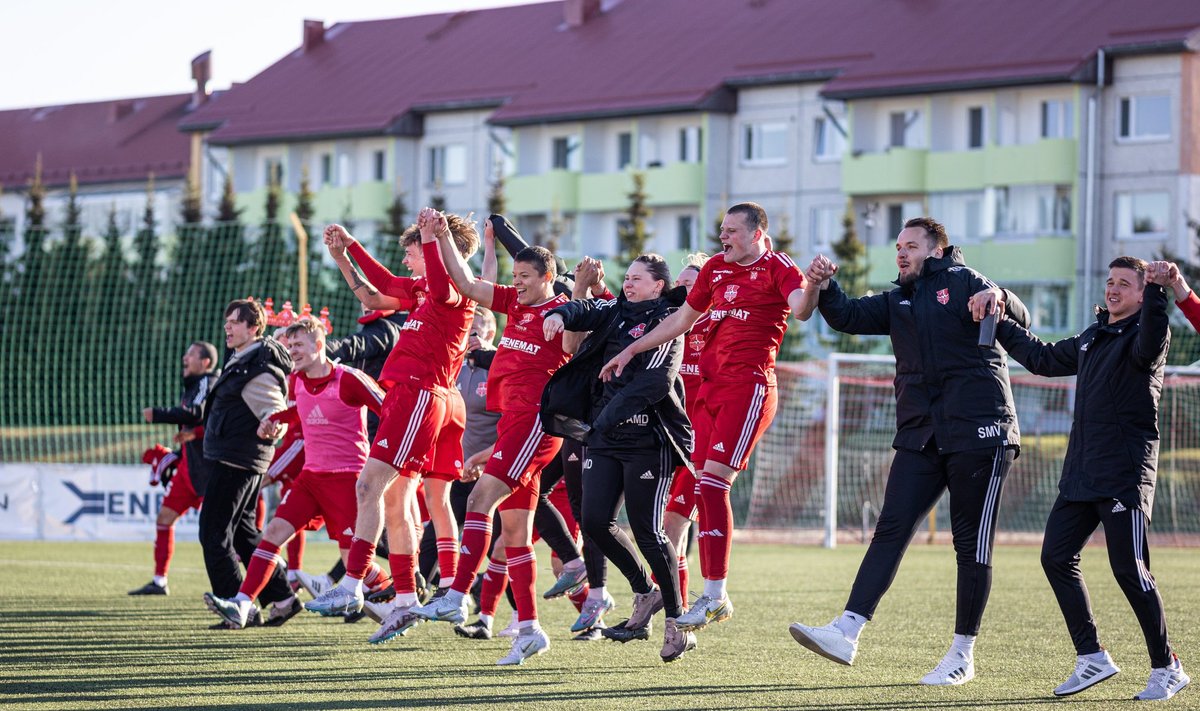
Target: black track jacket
x=947 y=387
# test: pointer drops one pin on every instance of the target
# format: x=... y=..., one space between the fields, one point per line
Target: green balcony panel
x=895 y=171
x=606 y=192
x=1050 y=161
x=540 y=194
x=1002 y=259
x=672 y=184
x=947 y=171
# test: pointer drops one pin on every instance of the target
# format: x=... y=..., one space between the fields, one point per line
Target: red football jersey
x=749 y=315
x=432 y=341
x=525 y=360
x=693 y=346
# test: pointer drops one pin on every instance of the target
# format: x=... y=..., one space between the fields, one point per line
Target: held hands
x=552 y=325
x=985 y=303
x=1162 y=273
x=588 y=272
x=148 y=415
x=269 y=429
x=432 y=224
x=489 y=235
x=616 y=366
x=820 y=271
x=337 y=240
x=184 y=436
x=473 y=467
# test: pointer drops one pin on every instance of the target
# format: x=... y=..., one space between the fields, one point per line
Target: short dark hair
x=657 y=266
x=935 y=232
x=540 y=258
x=207 y=351
x=249 y=312
x=1137 y=265
x=466 y=238
x=756 y=216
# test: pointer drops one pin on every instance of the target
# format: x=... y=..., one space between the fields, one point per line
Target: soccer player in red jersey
x=749 y=291
x=330 y=408
x=524 y=363
x=420 y=427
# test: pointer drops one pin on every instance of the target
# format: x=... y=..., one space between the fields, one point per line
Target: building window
x=274 y=172
x=975 y=127
x=895 y=218
x=1047 y=303
x=764 y=143
x=828 y=141
x=1058 y=119
x=326 y=169
x=826 y=227
x=686 y=232
x=448 y=165
x=690 y=150
x=380 y=165
x=565 y=153
x=624 y=150
x=1144 y=118
x=960 y=212
x=1142 y=214
x=1054 y=210
x=902 y=129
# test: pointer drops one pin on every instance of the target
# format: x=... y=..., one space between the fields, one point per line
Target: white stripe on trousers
x=414 y=421
x=753 y=414
x=987 y=518
x=1138 y=520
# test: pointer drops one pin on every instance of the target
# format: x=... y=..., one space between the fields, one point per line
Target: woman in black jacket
x=636 y=432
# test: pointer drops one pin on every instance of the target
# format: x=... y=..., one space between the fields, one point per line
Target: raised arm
x=460 y=272
x=438 y=280
x=338 y=241
x=867 y=315
x=1049 y=359
x=490 y=269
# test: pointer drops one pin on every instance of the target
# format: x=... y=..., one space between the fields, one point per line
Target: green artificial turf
x=70 y=638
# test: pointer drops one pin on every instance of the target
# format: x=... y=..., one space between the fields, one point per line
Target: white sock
x=851 y=625
x=596 y=593
x=527 y=626
x=453 y=596
x=160 y=581
x=964 y=644
x=291 y=576
x=353 y=585
x=241 y=597
x=444 y=583
x=573 y=564
x=715 y=589
x=486 y=620
x=282 y=604
x=406 y=599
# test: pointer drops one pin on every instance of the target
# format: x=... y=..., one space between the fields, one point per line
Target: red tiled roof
x=103 y=141
x=644 y=56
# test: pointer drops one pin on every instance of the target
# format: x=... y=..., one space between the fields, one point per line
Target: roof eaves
x=721 y=99
x=875 y=92
x=800 y=77
x=236 y=140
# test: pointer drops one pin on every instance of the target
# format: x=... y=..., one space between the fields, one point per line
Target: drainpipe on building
x=1091 y=195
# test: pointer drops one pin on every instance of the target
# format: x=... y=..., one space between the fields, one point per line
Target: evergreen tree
x=632 y=235
x=783 y=239
x=33 y=298
x=108 y=288
x=305 y=210
x=715 y=238
x=274 y=266
x=498 y=205
x=391 y=254
x=229 y=251
x=437 y=199
x=1185 y=342
x=851 y=256
x=191 y=273
x=146 y=246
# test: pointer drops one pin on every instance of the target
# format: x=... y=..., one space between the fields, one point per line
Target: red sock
x=447 y=560
x=404 y=572
x=495 y=578
x=359 y=558
x=476 y=537
x=164 y=549
x=522 y=574
x=579 y=597
x=262 y=564
x=260 y=512
x=295 y=553
x=683 y=578
x=718 y=526
x=376 y=578
x=701 y=539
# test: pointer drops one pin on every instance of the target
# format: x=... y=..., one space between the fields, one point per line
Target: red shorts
x=408 y=427
x=560 y=501
x=683 y=493
x=522 y=450
x=327 y=494
x=446 y=460
x=729 y=420
x=288 y=484
x=181 y=495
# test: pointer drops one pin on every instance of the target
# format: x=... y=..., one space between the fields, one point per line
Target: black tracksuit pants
x=549 y=522
x=1067 y=531
x=228 y=531
x=643 y=479
x=916 y=481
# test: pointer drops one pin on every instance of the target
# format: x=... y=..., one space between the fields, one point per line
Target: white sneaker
x=235 y=612
x=703 y=611
x=442 y=609
x=1088 y=673
x=378 y=611
x=313 y=584
x=337 y=601
x=954 y=669
x=828 y=641
x=1164 y=682
x=397 y=624
x=512 y=630
x=531 y=641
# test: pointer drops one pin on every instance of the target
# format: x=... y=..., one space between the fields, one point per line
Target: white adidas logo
x=382 y=443
x=498 y=455
x=647 y=475
x=316 y=417
x=679 y=499
x=1119 y=507
x=719 y=447
x=348 y=532
x=713 y=532
x=572 y=458
x=463 y=550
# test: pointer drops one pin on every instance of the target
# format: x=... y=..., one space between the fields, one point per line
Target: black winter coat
x=1113 y=449
x=947 y=387
x=230 y=428
x=650 y=384
x=367 y=348
x=188 y=415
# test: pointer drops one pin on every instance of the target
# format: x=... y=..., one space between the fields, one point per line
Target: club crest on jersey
x=420 y=298
x=696 y=342
x=526 y=318
x=637 y=330
x=943 y=296
x=731 y=292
